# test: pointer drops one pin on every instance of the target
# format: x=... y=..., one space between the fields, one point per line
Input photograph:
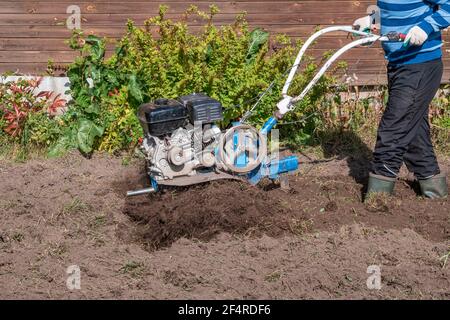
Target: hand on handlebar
x=415 y=37
x=365 y=24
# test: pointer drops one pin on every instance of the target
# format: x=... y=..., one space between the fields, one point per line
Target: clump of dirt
x=202 y=212
x=331 y=206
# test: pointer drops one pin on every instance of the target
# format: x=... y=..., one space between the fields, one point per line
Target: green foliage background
x=233 y=64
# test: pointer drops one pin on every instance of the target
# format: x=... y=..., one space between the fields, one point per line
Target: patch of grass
x=16 y=152
x=97 y=222
x=6 y=204
x=133 y=268
x=18 y=237
x=57 y=250
x=300 y=227
x=367 y=231
x=346 y=199
x=274 y=276
x=75 y=206
x=377 y=202
x=97 y=237
x=126 y=160
x=345 y=142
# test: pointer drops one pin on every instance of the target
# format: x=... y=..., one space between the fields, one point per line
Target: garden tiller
x=183 y=145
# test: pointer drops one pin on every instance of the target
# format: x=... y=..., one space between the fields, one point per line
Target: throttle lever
x=396 y=36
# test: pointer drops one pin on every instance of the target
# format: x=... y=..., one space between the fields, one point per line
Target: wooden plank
x=121 y=19
x=55 y=31
x=132 y=7
x=61 y=32
x=15 y=31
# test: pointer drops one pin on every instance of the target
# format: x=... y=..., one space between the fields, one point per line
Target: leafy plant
x=18 y=99
x=87 y=132
x=41 y=130
x=24 y=111
x=82 y=124
x=122 y=126
x=440 y=120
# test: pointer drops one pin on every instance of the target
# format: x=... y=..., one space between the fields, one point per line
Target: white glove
x=416 y=37
x=363 y=24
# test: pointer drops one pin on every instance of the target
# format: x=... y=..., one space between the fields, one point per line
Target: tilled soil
x=224 y=239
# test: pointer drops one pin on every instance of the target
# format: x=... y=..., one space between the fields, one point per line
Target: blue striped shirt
x=401 y=15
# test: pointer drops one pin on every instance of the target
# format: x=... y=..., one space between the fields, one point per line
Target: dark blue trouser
x=404 y=131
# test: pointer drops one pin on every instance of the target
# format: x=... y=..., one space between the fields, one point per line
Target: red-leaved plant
x=20 y=98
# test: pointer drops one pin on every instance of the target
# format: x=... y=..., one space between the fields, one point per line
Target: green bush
x=25 y=114
x=18 y=100
x=231 y=64
x=41 y=130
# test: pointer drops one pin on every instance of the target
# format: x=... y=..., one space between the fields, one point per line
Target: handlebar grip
x=402 y=36
x=396 y=36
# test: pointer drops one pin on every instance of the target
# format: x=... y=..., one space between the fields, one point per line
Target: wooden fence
x=32 y=32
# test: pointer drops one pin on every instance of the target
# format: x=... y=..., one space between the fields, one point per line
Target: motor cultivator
x=183 y=144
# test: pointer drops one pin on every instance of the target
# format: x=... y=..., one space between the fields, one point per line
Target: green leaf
x=97 y=47
x=74 y=75
x=61 y=147
x=111 y=77
x=135 y=89
x=209 y=52
x=120 y=52
x=87 y=132
x=258 y=38
x=83 y=101
x=92 y=109
x=96 y=74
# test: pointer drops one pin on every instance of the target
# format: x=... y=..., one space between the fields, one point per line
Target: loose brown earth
x=219 y=240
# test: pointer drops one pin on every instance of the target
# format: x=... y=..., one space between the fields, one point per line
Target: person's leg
x=411 y=89
x=420 y=158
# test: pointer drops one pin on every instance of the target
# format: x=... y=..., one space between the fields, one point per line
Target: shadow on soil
x=348 y=145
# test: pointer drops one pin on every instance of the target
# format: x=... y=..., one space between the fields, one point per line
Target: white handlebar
x=288 y=103
x=322 y=71
x=348 y=29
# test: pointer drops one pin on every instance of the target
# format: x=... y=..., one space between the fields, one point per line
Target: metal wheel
x=250 y=142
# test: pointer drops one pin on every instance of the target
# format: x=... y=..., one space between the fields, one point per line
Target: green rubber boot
x=435 y=187
x=380 y=184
